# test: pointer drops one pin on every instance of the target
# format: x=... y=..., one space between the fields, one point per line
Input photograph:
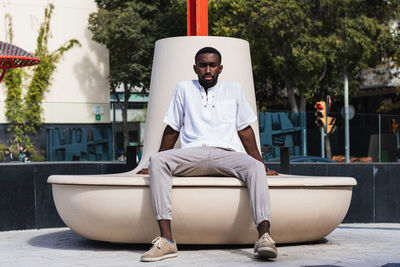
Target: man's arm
x=168 y=141
x=249 y=143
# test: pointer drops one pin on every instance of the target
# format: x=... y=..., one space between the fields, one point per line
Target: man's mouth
x=208 y=78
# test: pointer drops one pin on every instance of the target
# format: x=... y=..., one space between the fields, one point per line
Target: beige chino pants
x=207 y=161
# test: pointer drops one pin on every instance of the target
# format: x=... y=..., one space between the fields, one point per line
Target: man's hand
x=272 y=172
x=143 y=171
x=249 y=143
x=168 y=140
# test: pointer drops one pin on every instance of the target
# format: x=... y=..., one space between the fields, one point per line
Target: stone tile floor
x=349 y=245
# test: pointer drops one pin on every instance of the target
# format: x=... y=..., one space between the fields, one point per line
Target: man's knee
x=255 y=165
x=157 y=158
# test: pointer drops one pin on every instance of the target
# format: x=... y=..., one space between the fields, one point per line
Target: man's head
x=208 y=66
x=6 y=151
x=22 y=147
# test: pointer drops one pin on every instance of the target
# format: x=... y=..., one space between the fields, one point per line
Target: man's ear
x=220 y=68
x=195 y=69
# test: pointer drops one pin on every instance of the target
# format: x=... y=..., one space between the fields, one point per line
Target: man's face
x=207 y=69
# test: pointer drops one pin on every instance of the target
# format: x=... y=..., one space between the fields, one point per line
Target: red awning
x=12 y=56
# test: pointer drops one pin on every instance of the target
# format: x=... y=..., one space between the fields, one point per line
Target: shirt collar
x=211 y=89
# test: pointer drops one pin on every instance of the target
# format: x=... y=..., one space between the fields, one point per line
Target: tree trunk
x=303 y=103
x=290 y=92
x=292 y=99
x=125 y=116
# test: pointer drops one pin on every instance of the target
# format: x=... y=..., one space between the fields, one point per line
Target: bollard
x=131 y=152
x=285 y=160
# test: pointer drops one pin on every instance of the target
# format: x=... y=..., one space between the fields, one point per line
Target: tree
x=305 y=46
x=24 y=111
x=129 y=30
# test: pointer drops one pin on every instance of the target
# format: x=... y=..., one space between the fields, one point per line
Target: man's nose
x=208 y=68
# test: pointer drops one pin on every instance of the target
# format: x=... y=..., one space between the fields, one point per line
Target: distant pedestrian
x=24 y=154
x=8 y=155
x=121 y=156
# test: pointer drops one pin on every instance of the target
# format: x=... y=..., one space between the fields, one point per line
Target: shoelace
x=267 y=236
x=157 y=242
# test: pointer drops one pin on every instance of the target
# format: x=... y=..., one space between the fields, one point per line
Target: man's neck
x=206 y=87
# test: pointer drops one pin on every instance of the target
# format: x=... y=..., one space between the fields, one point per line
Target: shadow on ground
x=68 y=240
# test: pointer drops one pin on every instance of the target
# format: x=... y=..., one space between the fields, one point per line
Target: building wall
x=80 y=81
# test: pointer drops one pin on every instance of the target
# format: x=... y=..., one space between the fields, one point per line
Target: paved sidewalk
x=349 y=245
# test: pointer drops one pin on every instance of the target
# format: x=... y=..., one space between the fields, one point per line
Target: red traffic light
x=320 y=113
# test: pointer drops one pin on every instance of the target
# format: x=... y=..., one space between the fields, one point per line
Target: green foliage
x=2 y=147
x=13 y=150
x=126 y=30
x=129 y=30
x=37 y=154
x=391 y=107
x=300 y=49
x=23 y=105
x=305 y=46
x=140 y=116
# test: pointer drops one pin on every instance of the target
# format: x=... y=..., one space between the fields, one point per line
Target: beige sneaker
x=161 y=249
x=265 y=247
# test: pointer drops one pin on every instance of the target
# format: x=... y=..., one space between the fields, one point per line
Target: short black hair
x=208 y=50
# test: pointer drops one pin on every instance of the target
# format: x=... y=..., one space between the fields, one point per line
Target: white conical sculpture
x=206 y=210
x=173 y=62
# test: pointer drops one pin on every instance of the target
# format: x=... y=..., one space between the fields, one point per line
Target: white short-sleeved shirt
x=212 y=119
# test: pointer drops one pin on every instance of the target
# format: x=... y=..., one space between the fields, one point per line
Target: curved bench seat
x=206 y=210
x=128 y=179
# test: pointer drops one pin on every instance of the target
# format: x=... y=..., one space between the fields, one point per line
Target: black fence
x=26 y=200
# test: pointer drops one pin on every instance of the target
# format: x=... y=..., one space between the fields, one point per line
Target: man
x=24 y=154
x=212 y=119
x=8 y=155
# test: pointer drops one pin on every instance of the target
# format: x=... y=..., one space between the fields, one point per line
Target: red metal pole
x=197 y=17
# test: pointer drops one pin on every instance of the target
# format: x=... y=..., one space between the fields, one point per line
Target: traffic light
x=395 y=125
x=320 y=113
x=330 y=127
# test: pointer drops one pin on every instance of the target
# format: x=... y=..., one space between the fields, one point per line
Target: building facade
x=76 y=107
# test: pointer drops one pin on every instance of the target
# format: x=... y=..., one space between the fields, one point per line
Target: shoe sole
x=267 y=253
x=171 y=255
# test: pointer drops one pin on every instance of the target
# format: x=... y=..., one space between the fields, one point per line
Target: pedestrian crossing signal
x=330 y=127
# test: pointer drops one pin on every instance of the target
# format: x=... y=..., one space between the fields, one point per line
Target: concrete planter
x=206 y=210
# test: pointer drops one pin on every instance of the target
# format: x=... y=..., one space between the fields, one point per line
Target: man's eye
x=204 y=65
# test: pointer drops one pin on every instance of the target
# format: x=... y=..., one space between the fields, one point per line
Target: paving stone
x=349 y=245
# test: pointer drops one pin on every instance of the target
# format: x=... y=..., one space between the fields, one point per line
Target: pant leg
x=252 y=172
x=164 y=165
